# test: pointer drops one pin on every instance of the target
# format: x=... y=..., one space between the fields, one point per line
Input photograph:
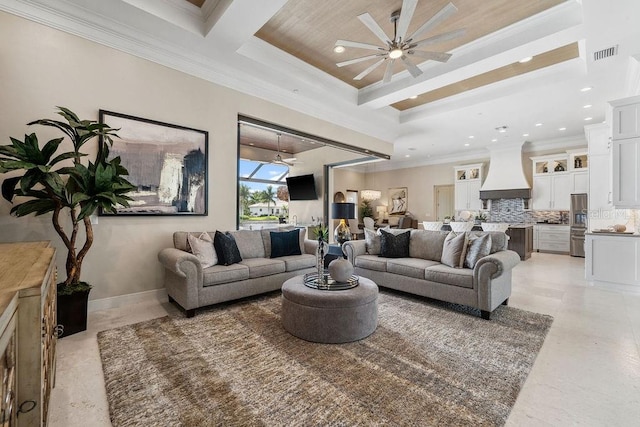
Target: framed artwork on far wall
x=167 y=163
x=398 y=199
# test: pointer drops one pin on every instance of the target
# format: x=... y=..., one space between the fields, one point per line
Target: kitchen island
x=521 y=239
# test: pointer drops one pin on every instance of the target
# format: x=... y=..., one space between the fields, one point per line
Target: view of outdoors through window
x=263 y=194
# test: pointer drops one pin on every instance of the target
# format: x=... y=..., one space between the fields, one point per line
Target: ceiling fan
x=401 y=47
x=281 y=161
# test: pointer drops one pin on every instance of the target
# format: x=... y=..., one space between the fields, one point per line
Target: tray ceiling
x=308 y=29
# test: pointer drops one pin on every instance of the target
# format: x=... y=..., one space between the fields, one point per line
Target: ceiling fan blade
x=356 y=60
x=406 y=13
x=347 y=43
x=373 y=26
x=434 y=56
x=411 y=67
x=389 y=71
x=368 y=70
x=443 y=14
x=439 y=38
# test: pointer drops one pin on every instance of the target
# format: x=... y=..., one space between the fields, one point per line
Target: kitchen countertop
x=521 y=225
x=612 y=233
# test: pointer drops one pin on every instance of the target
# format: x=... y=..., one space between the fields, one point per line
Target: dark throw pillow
x=479 y=247
x=394 y=246
x=285 y=243
x=226 y=248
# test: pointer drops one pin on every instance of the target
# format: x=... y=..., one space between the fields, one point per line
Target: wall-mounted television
x=302 y=187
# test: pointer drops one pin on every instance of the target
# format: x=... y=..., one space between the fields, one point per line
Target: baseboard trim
x=159 y=295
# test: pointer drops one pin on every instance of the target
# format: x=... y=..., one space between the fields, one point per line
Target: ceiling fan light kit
x=401 y=47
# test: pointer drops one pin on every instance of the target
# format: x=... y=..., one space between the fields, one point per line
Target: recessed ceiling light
x=586 y=89
x=527 y=59
x=538 y=124
x=525 y=134
x=586 y=119
x=494 y=140
x=587 y=106
x=251 y=144
x=413 y=97
x=339 y=49
x=501 y=129
x=407 y=155
x=466 y=145
x=471 y=136
x=562 y=129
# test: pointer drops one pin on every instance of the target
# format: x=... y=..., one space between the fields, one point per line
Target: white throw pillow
x=202 y=248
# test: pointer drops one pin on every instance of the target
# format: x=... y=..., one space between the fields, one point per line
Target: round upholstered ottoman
x=329 y=316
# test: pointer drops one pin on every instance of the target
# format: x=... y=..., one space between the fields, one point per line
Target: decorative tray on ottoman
x=328 y=283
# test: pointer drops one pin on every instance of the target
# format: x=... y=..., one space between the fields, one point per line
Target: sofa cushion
x=371 y=262
x=394 y=246
x=285 y=243
x=259 y=267
x=479 y=246
x=454 y=250
x=180 y=239
x=298 y=262
x=427 y=244
x=462 y=277
x=202 y=248
x=249 y=243
x=410 y=267
x=372 y=241
x=266 y=238
x=219 y=274
x=226 y=248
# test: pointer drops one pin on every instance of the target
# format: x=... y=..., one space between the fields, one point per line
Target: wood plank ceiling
x=308 y=30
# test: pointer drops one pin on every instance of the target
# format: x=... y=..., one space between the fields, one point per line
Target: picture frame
x=398 y=200
x=167 y=162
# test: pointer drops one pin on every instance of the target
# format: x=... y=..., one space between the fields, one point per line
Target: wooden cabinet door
x=600 y=183
x=461 y=196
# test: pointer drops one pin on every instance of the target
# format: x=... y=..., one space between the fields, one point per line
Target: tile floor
x=587 y=373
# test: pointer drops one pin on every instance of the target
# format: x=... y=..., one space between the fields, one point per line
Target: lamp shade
x=343 y=210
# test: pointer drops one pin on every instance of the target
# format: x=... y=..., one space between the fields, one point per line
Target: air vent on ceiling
x=605 y=53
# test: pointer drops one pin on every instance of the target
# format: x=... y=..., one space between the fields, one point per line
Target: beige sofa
x=485 y=287
x=191 y=286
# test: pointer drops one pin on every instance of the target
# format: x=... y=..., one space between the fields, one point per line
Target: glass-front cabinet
x=550 y=164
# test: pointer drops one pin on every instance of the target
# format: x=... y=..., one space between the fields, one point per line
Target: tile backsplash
x=512 y=211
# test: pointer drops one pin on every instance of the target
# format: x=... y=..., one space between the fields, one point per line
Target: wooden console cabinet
x=521 y=240
x=27 y=271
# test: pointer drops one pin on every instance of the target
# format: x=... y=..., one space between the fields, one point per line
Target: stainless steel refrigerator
x=578 y=222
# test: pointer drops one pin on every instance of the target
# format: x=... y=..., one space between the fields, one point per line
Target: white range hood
x=505 y=179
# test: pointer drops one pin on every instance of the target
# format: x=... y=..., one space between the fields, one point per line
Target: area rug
x=428 y=363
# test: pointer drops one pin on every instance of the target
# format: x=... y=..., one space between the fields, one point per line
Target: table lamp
x=342 y=211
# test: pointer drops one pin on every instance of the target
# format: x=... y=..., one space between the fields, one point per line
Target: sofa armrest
x=175 y=259
x=496 y=263
x=310 y=246
x=353 y=248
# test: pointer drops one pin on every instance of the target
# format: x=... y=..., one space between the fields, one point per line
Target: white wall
x=41 y=67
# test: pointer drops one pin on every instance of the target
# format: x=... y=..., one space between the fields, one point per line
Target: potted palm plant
x=49 y=179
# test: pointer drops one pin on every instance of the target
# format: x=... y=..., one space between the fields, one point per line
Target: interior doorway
x=444 y=201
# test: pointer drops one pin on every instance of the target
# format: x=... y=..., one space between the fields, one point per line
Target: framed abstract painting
x=167 y=163
x=398 y=199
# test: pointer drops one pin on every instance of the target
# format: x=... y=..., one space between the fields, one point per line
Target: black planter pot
x=72 y=313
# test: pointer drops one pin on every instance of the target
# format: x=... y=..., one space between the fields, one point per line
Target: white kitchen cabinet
x=626 y=118
x=552 y=238
x=626 y=168
x=625 y=149
x=612 y=258
x=551 y=192
x=468 y=180
x=579 y=182
x=600 y=191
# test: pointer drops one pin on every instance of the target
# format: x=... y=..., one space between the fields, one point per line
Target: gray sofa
x=191 y=286
x=485 y=287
